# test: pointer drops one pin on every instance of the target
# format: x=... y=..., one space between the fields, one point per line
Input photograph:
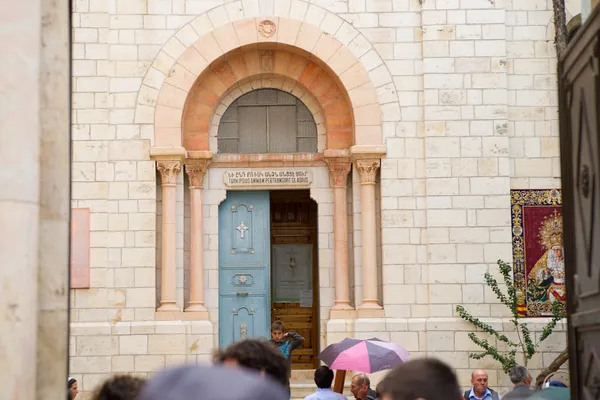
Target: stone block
x=446 y=273
x=142 y=190
x=445 y=294
x=440 y=341
x=91 y=365
x=167 y=344
x=140 y=297
x=446 y=218
x=123 y=364
x=133 y=344
x=149 y=363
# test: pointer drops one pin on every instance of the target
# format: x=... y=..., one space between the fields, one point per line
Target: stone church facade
x=343 y=165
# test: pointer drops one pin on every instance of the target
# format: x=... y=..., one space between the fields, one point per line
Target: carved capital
x=196 y=173
x=368 y=170
x=338 y=171
x=168 y=171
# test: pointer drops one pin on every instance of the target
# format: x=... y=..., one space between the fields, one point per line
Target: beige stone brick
x=145 y=277
x=89 y=190
x=149 y=363
x=444 y=294
x=93 y=20
x=122 y=364
x=132 y=7
x=167 y=344
x=142 y=221
x=125 y=170
x=140 y=297
x=95 y=345
x=440 y=341
x=399 y=294
x=139 y=257
x=133 y=344
x=92 y=365
x=441 y=253
x=442 y=186
x=90 y=298
x=124 y=277
x=128 y=150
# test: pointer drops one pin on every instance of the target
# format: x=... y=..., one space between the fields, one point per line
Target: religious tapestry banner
x=538 y=251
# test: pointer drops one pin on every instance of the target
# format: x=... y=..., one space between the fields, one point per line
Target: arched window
x=267 y=121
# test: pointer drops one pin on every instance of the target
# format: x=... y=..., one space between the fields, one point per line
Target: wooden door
x=579 y=96
x=244 y=273
x=294 y=271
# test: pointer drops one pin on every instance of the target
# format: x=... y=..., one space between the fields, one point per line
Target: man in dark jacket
x=521 y=378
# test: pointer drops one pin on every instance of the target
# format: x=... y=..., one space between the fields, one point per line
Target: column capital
x=367 y=168
x=196 y=171
x=339 y=168
x=169 y=170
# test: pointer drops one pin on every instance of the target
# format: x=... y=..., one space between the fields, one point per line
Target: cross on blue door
x=244 y=266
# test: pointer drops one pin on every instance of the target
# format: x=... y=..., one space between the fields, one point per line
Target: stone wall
x=468 y=97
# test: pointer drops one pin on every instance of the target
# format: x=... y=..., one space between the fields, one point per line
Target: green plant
x=525 y=344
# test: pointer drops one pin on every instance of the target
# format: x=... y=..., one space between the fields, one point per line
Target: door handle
x=242 y=294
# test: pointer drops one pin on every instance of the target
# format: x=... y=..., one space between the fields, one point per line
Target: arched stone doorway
x=210 y=75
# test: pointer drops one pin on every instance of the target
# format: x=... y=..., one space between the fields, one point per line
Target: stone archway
x=207 y=73
x=216 y=55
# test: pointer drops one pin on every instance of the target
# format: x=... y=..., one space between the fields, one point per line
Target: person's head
x=120 y=387
x=72 y=386
x=277 y=331
x=420 y=379
x=323 y=377
x=520 y=376
x=360 y=385
x=479 y=380
x=212 y=382
x=258 y=355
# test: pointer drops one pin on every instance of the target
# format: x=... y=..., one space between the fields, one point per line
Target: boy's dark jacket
x=286 y=347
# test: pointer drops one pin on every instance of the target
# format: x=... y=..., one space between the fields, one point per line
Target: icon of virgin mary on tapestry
x=538 y=251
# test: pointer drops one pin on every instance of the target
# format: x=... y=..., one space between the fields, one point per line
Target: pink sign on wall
x=80 y=248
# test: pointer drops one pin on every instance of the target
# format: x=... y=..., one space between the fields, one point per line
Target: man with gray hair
x=521 y=378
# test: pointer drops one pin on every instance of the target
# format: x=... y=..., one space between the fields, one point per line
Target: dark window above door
x=267 y=121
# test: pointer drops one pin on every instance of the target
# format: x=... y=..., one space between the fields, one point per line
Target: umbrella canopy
x=363 y=355
x=552 y=393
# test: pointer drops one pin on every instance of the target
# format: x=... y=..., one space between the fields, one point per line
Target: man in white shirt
x=323 y=380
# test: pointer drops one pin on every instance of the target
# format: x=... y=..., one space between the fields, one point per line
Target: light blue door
x=244 y=266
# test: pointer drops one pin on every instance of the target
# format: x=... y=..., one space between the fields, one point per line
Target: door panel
x=579 y=97
x=244 y=266
x=294 y=249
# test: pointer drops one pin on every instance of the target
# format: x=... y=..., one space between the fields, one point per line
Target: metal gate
x=579 y=99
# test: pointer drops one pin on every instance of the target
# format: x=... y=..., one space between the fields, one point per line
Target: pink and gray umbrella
x=363 y=355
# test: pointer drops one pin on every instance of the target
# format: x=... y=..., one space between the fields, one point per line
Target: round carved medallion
x=267 y=28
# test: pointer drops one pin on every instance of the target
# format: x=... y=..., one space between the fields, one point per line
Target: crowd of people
x=255 y=369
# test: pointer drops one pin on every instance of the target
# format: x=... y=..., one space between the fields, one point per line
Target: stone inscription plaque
x=267 y=177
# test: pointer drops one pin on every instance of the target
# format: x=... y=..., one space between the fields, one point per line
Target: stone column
x=196 y=173
x=338 y=173
x=367 y=169
x=169 y=170
x=35 y=198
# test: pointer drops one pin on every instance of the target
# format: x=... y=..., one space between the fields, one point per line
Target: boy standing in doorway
x=286 y=343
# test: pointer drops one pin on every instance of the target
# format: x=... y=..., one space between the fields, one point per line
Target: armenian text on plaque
x=267 y=177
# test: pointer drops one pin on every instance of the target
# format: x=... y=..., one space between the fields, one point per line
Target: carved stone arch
x=203 y=54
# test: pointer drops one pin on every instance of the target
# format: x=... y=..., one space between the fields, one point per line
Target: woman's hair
x=120 y=387
x=258 y=355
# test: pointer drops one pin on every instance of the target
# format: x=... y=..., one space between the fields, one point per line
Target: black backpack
x=494 y=394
